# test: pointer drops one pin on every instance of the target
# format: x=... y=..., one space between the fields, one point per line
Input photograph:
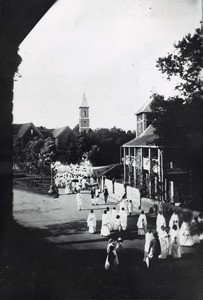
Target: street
x=58 y=233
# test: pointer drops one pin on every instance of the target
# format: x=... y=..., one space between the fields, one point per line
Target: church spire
x=84 y=121
x=84 y=101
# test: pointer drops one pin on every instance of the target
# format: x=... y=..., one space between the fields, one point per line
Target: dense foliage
x=101 y=146
x=179 y=119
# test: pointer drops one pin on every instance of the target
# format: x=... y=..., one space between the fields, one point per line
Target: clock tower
x=84 y=121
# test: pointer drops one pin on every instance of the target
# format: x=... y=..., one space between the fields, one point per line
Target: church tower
x=84 y=121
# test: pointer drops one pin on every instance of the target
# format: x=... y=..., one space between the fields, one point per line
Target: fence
x=117 y=190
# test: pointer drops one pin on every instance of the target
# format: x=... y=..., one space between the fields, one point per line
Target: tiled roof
x=147 y=138
x=76 y=128
x=145 y=108
x=56 y=132
x=19 y=130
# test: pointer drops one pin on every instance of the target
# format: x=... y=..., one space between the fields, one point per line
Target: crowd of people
x=169 y=240
x=72 y=177
x=163 y=241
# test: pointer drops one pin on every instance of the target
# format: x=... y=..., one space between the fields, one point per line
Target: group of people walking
x=95 y=194
x=112 y=220
x=169 y=240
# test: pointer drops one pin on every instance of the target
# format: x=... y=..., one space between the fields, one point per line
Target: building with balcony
x=147 y=167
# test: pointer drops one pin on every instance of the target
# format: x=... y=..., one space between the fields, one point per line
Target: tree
x=178 y=124
x=186 y=63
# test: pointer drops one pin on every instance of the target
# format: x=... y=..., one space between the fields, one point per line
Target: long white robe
x=114 y=213
x=123 y=217
x=175 y=248
x=160 y=221
x=130 y=207
x=117 y=224
x=148 y=238
x=164 y=243
x=174 y=220
x=105 y=228
x=79 y=200
x=109 y=216
x=91 y=222
x=124 y=204
x=142 y=224
x=185 y=236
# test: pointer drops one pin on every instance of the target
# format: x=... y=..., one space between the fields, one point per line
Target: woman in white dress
x=79 y=199
x=117 y=224
x=67 y=188
x=185 y=236
x=174 y=220
x=164 y=243
x=148 y=238
x=91 y=222
x=109 y=216
x=175 y=248
x=114 y=213
x=105 y=228
x=142 y=223
x=123 y=217
x=160 y=221
x=130 y=207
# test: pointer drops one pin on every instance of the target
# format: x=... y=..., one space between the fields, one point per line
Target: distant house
x=23 y=133
x=61 y=136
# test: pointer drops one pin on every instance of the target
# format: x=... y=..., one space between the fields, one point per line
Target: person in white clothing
x=175 y=249
x=130 y=207
x=91 y=222
x=123 y=217
x=105 y=228
x=117 y=224
x=160 y=221
x=114 y=213
x=79 y=199
x=142 y=223
x=148 y=238
x=109 y=216
x=185 y=236
x=174 y=220
x=67 y=188
x=195 y=230
x=164 y=243
x=97 y=194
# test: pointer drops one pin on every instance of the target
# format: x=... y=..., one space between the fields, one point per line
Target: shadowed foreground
x=40 y=270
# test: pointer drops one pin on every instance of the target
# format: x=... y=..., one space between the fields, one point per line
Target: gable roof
x=145 y=108
x=84 y=102
x=56 y=132
x=19 y=130
x=16 y=128
x=147 y=138
x=76 y=128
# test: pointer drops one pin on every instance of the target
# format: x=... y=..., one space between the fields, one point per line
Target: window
x=84 y=113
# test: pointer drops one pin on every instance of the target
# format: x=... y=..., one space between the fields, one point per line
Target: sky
x=105 y=48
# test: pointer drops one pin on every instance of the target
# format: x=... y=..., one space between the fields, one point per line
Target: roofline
x=31 y=124
x=141 y=146
x=64 y=128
